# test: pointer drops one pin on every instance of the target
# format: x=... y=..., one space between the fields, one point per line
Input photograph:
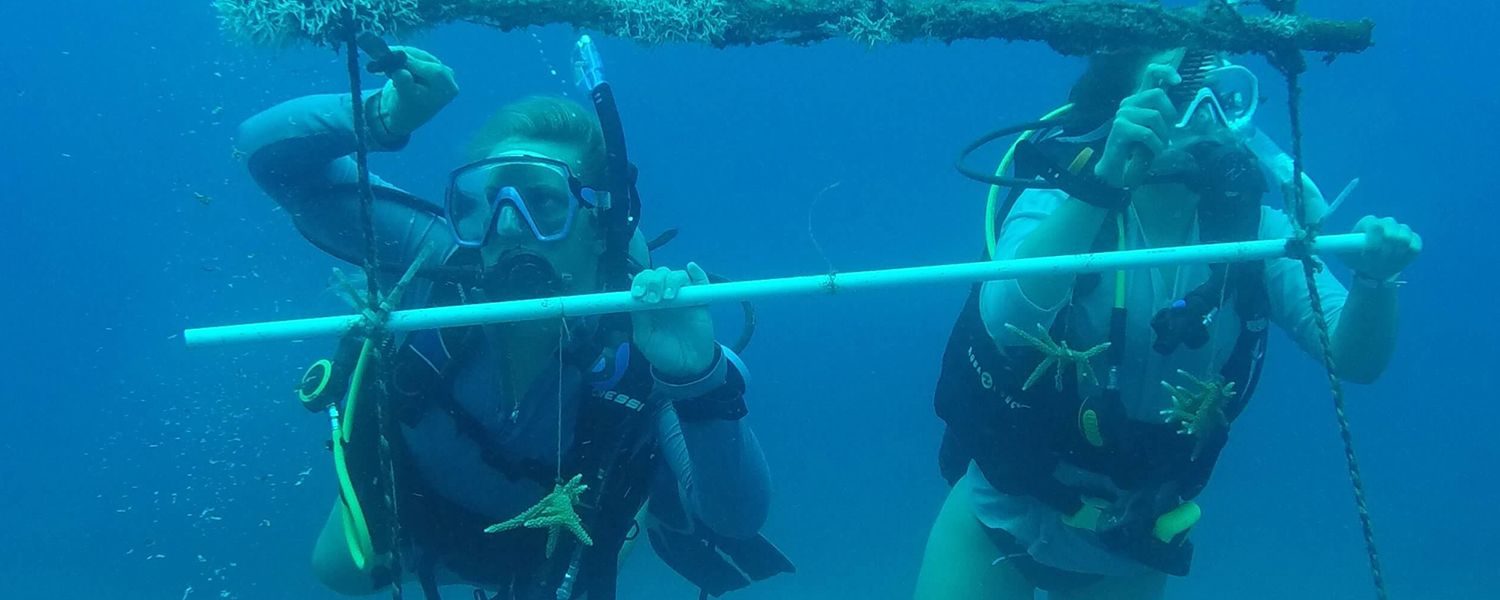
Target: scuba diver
x=633 y=423
x=1084 y=413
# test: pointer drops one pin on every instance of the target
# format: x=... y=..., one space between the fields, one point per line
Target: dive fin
x=757 y=557
x=716 y=564
x=697 y=561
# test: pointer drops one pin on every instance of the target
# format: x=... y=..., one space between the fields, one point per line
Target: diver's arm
x=1071 y=229
x=1042 y=223
x=1139 y=131
x=1361 y=324
x=1361 y=329
x=299 y=153
x=304 y=145
x=719 y=470
x=1365 y=337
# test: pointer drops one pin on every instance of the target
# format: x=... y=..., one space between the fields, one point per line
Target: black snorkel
x=961 y=163
x=622 y=216
x=1064 y=166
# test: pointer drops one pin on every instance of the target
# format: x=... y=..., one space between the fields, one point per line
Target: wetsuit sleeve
x=1002 y=301
x=716 y=466
x=300 y=153
x=1286 y=284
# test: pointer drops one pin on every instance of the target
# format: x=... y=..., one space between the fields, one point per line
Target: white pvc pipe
x=615 y=302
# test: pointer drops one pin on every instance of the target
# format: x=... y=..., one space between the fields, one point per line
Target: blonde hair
x=547 y=119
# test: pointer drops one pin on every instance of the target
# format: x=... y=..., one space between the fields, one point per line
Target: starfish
x=555 y=513
x=1058 y=354
x=1199 y=408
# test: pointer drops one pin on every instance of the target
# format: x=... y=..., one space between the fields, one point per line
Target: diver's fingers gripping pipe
x=740 y=291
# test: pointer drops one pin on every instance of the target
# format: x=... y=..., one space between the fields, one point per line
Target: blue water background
x=131 y=467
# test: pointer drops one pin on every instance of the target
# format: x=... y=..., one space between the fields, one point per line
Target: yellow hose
x=356 y=527
x=356 y=381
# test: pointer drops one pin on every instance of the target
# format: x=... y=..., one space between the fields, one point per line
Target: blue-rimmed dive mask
x=1223 y=96
x=540 y=192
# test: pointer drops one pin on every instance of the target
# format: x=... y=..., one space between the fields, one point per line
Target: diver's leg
x=958 y=563
x=1140 y=587
x=333 y=564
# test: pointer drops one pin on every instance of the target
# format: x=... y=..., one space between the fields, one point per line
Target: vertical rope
x=562 y=331
x=362 y=161
x=1306 y=233
x=372 y=289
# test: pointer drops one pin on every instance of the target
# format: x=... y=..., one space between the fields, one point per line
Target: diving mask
x=1214 y=93
x=543 y=192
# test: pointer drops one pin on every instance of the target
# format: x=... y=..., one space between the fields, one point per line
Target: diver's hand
x=1140 y=130
x=416 y=92
x=1389 y=248
x=679 y=342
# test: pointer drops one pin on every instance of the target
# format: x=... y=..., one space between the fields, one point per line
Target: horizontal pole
x=740 y=291
x=1076 y=27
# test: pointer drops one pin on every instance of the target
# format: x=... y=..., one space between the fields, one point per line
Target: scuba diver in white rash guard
x=1085 y=413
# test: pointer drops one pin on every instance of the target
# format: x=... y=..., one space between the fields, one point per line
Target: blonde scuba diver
x=617 y=417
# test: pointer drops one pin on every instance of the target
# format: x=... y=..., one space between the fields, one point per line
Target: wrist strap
x=379 y=128
x=1374 y=283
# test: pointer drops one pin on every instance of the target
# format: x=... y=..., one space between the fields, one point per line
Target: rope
x=1306 y=233
x=562 y=336
x=374 y=299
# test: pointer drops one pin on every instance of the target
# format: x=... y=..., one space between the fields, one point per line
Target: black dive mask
x=521 y=274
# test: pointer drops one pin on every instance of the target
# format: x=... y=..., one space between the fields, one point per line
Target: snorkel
x=622 y=216
x=618 y=219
